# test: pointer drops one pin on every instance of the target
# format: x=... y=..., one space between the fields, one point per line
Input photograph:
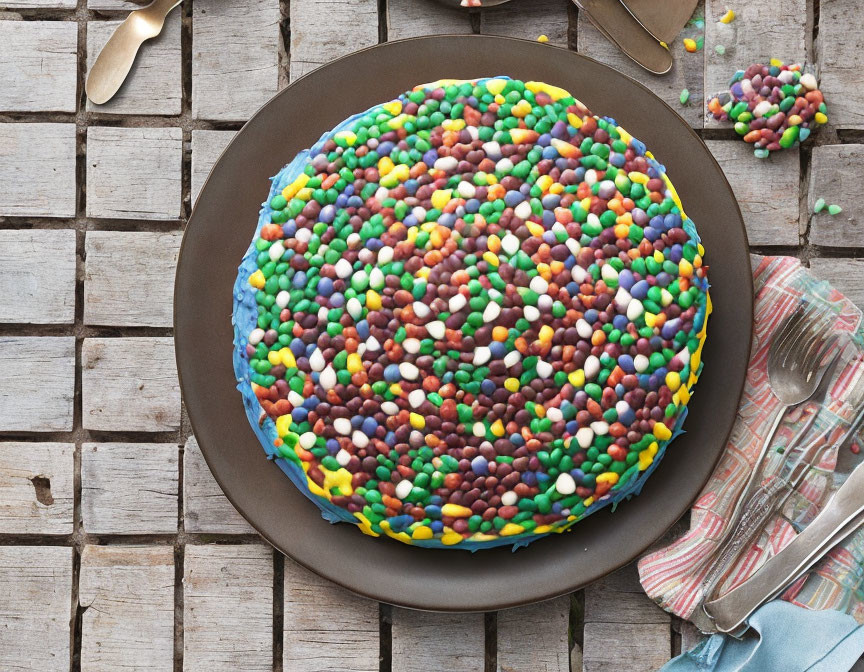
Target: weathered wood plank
x=847 y=275
x=38 y=66
x=326 y=627
x=37 y=383
x=134 y=173
x=835 y=172
x=534 y=638
x=37 y=170
x=528 y=20
x=319 y=34
x=425 y=641
x=758 y=33
x=409 y=18
x=840 y=55
x=39 y=4
x=228 y=608
x=235 y=57
x=130 y=384
x=36 y=488
x=687 y=71
x=37 y=276
x=115 y=4
x=207 y=146
x=766 y=190
x=129 y=488
x=623 y=628
x=36 y=609
x=129 y=278
x=205 y=508
x=128 y=621
x=154 y=85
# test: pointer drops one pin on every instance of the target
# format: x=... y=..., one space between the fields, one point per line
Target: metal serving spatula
x=117 y=56
x=663 y=19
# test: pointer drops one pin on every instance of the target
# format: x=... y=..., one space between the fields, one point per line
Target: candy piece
x=543 y=38
x=471 y=315
x=819 y=205
x=690 y=44
x=720 y=49
x=834 y=209
x=728 y=17
x=684 y=97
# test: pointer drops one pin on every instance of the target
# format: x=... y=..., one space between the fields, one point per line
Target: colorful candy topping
x=728 y=17
x=478 y=314
x=774 y=106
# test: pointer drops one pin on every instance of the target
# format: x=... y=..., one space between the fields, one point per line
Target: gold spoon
x=117 y=56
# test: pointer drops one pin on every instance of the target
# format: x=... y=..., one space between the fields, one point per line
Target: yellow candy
x=574 y=120
x=289 y=191
x=440 y=198
x=521 y=109
x=385 y=165
x=535 y=229
x=637 y=177
x=341 y=478
x=417 y=421
x=491 y=258
x=349 y=137
x=820 y=118
x=565 y=149
x=453 y=124
x=510 y=529
x=685 y=269
x=401 y=172
x=423 y=272
x=608 y=477
x=288 y=358
x=683 y=395
x=283 y=425
x=555 y=93
x=396 y=389
x=728 y=17
x=794 y=119
x=500 y=99
x=451 y=538
x=497 y=428
x=577 y=378
x=422 y=533
x=393 y=108
x=776 y=62
x=257 y=279
x=355 y=364
x=546 y=333
x=645 y=460
x=304 y=194
x=689 y=44
x=455 y=510
x=274 y=357
x=662 y=432
x=496 y=86
x=373 y=300
x=511 y=384
x=542 y=38
x=556 y=188
x=544 y=182
x=673 y=381
x=650 y=320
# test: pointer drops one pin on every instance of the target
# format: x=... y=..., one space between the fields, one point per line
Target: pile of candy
x=774 y=106
x=476 y=311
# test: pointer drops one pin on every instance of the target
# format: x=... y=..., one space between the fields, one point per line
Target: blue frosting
x=245 y=317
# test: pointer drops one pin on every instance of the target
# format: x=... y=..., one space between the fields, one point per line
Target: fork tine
x=787 y=328
x=797 y=346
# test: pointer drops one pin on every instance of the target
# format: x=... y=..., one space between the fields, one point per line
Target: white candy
x=372 y=344
x=538 y=284
x=510 y=244
x=509 y=498
x=565 y=484
x=457 y=302
x=492 y=150
x=608 y=272
x=408 y=371
x=808 y=81
x=316 y=360
x=342 y=426
x=634 y=310
x=353 y=240
x=761 y=109
x=523 y=210
x=544 y=369
x=491 y=312
x=446 y=163
x=641 y=362
x=544 y=302
x=600 y=428
x=466 y=190
x=389 y=408
x=436 y=329
x=420 y=213
x=283 y=298
x=343 y=268
x=591 y=177
x=385 y=255
x=276 y=251
x=416 y=398
x=482 y=354
x=359 y=439
x=295 y=399
x=531 y=313
x=512 y=358
x=554 y=414
x=403 y=488
x=573 y=245
x=584 y=437
x=504 y=166
x=376 y=279
x=327 y=380
x=420 y=309
x=354 y=308
x=592 y=367
x=578 y=274
x=304 y=235
x=584 y=329
x=256 y=336
x=622 y=299
x=343 y=457
x=411 y=345
x=307 y=440
x=479 y=429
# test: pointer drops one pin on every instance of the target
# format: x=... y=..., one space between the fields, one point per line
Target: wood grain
x=39 y=4
x=205 y=507
x=129 y=488
x=321 y=33
x=134 y=173
x=623 y=628
x=228 y=608
x=37 y=170
x=425 y=641
x=847 y=275
x=130 y=384
x=30 y=366
x=767 y=191
x=154 y=85
x=534 y=638
x=235 y=57
x=206 y=148
x=36 y=609
x=38 y=66
x=127 y=593
x=528 y=20
x=326 y=627
x=409 y=18
x=36 y=488
x=835 y=172
x=687 y=71
x=129 y=278
x=760 y=32
x=841 y=63
x=37 y=276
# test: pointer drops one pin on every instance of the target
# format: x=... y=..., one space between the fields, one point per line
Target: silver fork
x=796 y=367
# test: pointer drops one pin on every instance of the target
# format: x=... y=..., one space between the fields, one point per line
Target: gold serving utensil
x=117 y=56
x=665 y=19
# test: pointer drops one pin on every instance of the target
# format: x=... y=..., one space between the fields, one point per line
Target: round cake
x=470 y=316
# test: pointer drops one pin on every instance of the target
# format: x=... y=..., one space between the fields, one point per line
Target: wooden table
x=117 y=549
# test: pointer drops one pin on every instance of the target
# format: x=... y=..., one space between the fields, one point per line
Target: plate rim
x=496 y=604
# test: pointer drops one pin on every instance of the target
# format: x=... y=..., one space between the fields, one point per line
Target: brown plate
x=222 y=226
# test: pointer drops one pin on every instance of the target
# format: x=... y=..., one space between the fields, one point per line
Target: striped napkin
x=672 y=576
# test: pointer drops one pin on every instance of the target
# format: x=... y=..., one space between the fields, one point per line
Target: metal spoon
x=117 y=56
x=664 y=20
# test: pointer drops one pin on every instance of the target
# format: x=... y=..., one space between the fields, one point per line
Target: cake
x=470 y=316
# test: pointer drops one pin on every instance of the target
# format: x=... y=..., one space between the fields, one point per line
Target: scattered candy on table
x=819 y=206
x=720 y=49
x=834 y=209
x=728 y=17
x=543 y=38
x=480 y=311
x=690 y=44
x=685 y=96
x=774 y=106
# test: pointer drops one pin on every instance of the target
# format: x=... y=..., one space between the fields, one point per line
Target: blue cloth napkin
x=783 y=637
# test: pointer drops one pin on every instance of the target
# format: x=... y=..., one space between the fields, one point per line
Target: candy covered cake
x=470 y=316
